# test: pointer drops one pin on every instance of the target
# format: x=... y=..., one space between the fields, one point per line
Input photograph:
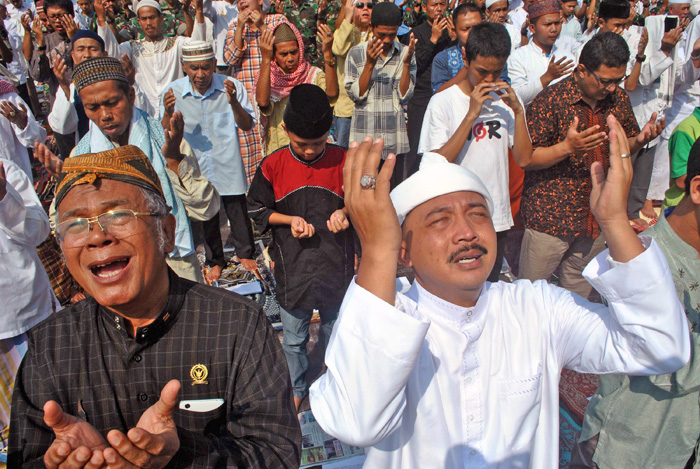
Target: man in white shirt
x=460 y=372
x=548 y=58
x=497 y=12
x=156 y=59
x=221 y=13
x=19 y=129
x=475 y=122
x=27 y=296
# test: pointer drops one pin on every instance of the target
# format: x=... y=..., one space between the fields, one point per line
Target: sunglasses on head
x=361 y=5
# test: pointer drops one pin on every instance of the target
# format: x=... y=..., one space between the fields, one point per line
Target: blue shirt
x=446 y=64
x=211 y=130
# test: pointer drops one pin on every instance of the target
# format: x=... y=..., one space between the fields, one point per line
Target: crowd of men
x=555 y=140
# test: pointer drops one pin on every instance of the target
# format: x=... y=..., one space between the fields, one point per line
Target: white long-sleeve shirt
x=428 y=384
x=14 y=141
x=157 y=64
x=527 y=64
x=27 y=296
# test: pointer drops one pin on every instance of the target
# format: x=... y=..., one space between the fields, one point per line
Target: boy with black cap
x=298 y=191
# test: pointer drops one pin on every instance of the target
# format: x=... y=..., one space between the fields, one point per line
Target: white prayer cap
x=148 y=3
x=194 y=51
x=435 y=177
x=671 y=2
x=489 y=3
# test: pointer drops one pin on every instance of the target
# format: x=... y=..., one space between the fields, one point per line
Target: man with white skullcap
x=458 y=372
x=156 y=59
x=214 y=107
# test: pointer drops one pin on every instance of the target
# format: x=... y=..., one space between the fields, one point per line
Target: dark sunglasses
x=361 y=5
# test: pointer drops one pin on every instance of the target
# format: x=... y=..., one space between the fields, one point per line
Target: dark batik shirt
x=310 y=272
x=556 y=200
x=82 y=357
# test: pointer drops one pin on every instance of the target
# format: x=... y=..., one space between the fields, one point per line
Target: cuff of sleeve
x=648 y=268
x=11 y=207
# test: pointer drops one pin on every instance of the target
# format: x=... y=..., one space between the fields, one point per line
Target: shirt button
x=137 y=358
x=143 y=396
x=472 y=452
x=471 y=417
x=469 y=380
x=469 y=319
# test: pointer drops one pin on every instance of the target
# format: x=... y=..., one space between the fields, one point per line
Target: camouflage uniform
x=411 y=17
x=173 y=23
x=121 y=23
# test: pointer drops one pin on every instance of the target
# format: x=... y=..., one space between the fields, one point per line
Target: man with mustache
x=459 y=372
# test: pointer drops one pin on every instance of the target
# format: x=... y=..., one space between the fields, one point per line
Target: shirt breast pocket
x=202 y=422
x=520 y=401
x=224 y=125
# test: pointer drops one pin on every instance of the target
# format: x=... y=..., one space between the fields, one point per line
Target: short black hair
x=487 y=40
x=464 y=8
x=613 y=9
x=67 y=5
x=607 y=49
x=693 y=169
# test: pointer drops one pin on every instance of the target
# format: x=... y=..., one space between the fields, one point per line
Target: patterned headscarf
x=6 y=87
x=125 y=164
x=282 y=83
x=98 y=69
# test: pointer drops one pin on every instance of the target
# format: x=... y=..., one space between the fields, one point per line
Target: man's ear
x=531 y=28
x=405 y=255
x=695 y=190
x=169 y=231
x=286 y=132
x=132 y=96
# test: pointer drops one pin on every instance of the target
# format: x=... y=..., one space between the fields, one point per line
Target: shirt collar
x=436 y=308
x=155 y=330
x=217 y=84
x=302 y=160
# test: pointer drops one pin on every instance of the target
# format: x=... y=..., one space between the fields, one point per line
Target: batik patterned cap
x=543 y=7
x=194 y=51
x=98 y=69
x=125 y=164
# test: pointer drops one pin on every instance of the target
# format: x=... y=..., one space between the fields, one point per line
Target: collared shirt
x=445 y=66
x=212 y=132
x=27 y=296
x=571 y=27
x=15 y=141
x=527 y=65
x=427 y=383
x=344 y=38
x=245 y=64
x=18 y=67
x=379 y=111
x=41 y=65
x=486 y=149
x=312 y=272
x=157 y=63
x=556 y=199
x=425 y=53
x=217 y=344
x=652 y=421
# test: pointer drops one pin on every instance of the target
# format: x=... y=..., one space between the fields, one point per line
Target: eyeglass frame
x=96 y=219
x=602 y=83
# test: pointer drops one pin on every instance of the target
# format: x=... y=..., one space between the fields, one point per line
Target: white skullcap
x=148 y=3
x=671 y=2
x=194 y=51
x=489 y=3
x=435 y=177
x=2 y=2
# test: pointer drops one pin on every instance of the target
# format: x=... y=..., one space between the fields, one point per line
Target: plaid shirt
x=379 y=112
x=246 y=67
x=83 y=358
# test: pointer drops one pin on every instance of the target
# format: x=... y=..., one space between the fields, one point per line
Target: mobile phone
x=670 y=22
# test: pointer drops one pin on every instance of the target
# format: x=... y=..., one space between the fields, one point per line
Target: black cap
x=308 y=113
x=386 y=14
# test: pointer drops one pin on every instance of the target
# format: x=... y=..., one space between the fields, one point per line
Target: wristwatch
x=640 y=58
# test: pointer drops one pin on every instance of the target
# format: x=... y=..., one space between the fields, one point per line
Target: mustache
x=466 y=248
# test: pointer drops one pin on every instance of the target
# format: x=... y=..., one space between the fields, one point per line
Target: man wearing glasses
x=151 y=369
x=567 y=124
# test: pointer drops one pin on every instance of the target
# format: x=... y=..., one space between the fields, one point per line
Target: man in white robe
x=459 y=372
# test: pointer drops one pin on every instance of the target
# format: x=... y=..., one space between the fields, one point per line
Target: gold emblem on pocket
x=199 y=374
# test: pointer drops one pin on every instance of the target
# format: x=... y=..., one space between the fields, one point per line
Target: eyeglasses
x=361 y=5
x=75 y=231
x=606 y=83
